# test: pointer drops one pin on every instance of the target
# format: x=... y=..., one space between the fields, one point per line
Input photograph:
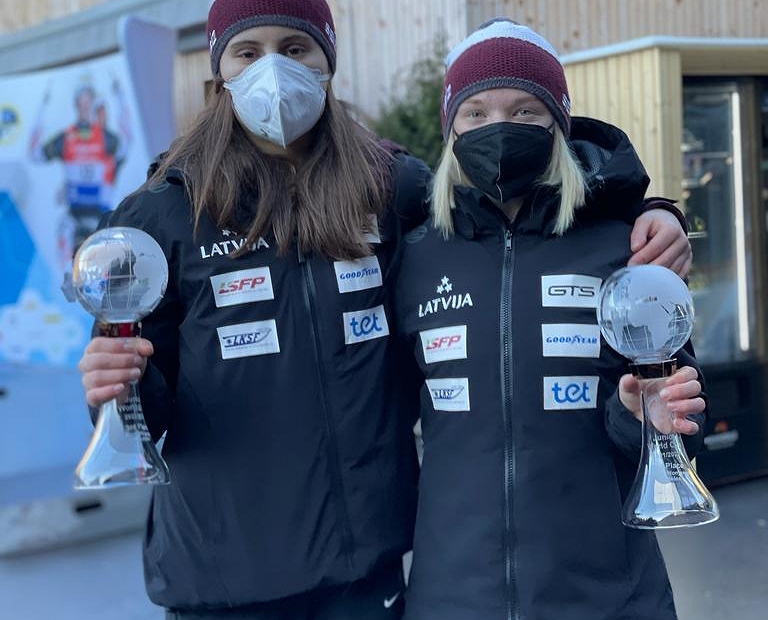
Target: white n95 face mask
x=277 y=98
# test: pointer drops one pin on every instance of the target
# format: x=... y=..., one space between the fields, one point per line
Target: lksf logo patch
x=567 y=393
x=449 y=394
x=449 y=299
x=248 y=339
x=444 y=343
x=240 y=287
x=570 y=340
x=569 y=291
x=365 y=325
x=358 y=275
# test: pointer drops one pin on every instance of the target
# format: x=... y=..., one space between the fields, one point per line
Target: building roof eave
x=683 y=44
x=94 y=32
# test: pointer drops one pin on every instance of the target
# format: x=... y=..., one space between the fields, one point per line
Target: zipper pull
x=507 y=239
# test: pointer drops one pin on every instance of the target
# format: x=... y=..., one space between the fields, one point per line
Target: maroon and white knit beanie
x=226 y=18
x=505 y=54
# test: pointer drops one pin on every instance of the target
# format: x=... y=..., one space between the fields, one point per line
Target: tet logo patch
x=567 y=393
x=365 y=325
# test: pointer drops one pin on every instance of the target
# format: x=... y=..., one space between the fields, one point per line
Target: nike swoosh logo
x=388 y=602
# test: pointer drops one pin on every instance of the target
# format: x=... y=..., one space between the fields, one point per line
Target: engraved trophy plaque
x=645 y=313
x=119 y=276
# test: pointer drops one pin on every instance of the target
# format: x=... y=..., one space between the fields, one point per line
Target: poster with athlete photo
x=74 y=141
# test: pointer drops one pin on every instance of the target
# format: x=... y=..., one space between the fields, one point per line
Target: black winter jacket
x=290 y=451
x=528 y=453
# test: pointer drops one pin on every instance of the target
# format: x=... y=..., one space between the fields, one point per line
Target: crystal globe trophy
x=119 y=275
x=645 y=313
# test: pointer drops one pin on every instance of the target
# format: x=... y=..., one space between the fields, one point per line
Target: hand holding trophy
x=119 y=276
x=645 y=313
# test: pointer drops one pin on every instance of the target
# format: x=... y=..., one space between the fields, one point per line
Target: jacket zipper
x=310 y=295
x=506 y=411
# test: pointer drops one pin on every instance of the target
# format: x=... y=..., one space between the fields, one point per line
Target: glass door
x=722 y=279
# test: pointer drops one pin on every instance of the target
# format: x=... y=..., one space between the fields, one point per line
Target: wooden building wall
x=18 y=14
x=573 y=25
x=641 y=92
x=570 y=24
x=379 y=40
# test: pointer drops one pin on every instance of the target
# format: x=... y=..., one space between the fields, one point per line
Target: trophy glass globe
x=646 y=314
x=119 y=276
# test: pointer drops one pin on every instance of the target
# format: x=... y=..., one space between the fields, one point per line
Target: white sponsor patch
x=449 y=394
x=444 y=343
x=248 y=339
x=372 y=234
x=241 y=287
x=570 y=393
x=569 y=291
x=570 y=340
x=365 y=325
x=358 y=275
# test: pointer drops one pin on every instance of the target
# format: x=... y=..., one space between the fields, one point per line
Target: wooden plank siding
x=573 y=25
x=18 y=14
x=192 y=74
x=641 y=92
x=380 y=40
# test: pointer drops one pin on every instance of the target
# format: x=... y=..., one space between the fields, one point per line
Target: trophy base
x=121 y=451
x=671 y=519
x=119 y=479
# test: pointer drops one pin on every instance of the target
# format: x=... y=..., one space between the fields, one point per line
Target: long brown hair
x=325 y=202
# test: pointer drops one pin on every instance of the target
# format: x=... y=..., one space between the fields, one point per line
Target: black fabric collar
x=476 y=215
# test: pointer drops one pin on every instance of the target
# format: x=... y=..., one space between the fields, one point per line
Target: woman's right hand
x=108 y=365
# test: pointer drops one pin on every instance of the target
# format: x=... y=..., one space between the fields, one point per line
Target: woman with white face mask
x=291 y=456
x=268 y=364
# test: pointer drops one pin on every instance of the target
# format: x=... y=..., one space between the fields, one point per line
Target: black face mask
x=504 y=160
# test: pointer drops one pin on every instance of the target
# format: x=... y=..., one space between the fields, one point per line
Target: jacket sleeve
x=626 y=432
x=410 y=194
x=157 y=387
x=409 y=376
x=656 y=202
x=632 y=209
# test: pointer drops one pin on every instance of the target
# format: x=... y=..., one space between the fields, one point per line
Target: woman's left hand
x=669 y=400
x=657 y=238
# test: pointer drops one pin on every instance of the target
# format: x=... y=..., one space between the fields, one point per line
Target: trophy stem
x=666 y=492
x=121 y=450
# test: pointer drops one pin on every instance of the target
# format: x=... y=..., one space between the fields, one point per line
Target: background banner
x=74 y=141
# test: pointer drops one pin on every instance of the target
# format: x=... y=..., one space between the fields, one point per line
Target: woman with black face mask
x=531 y=427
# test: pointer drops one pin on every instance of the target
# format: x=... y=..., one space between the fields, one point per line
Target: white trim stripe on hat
x=502 y=29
